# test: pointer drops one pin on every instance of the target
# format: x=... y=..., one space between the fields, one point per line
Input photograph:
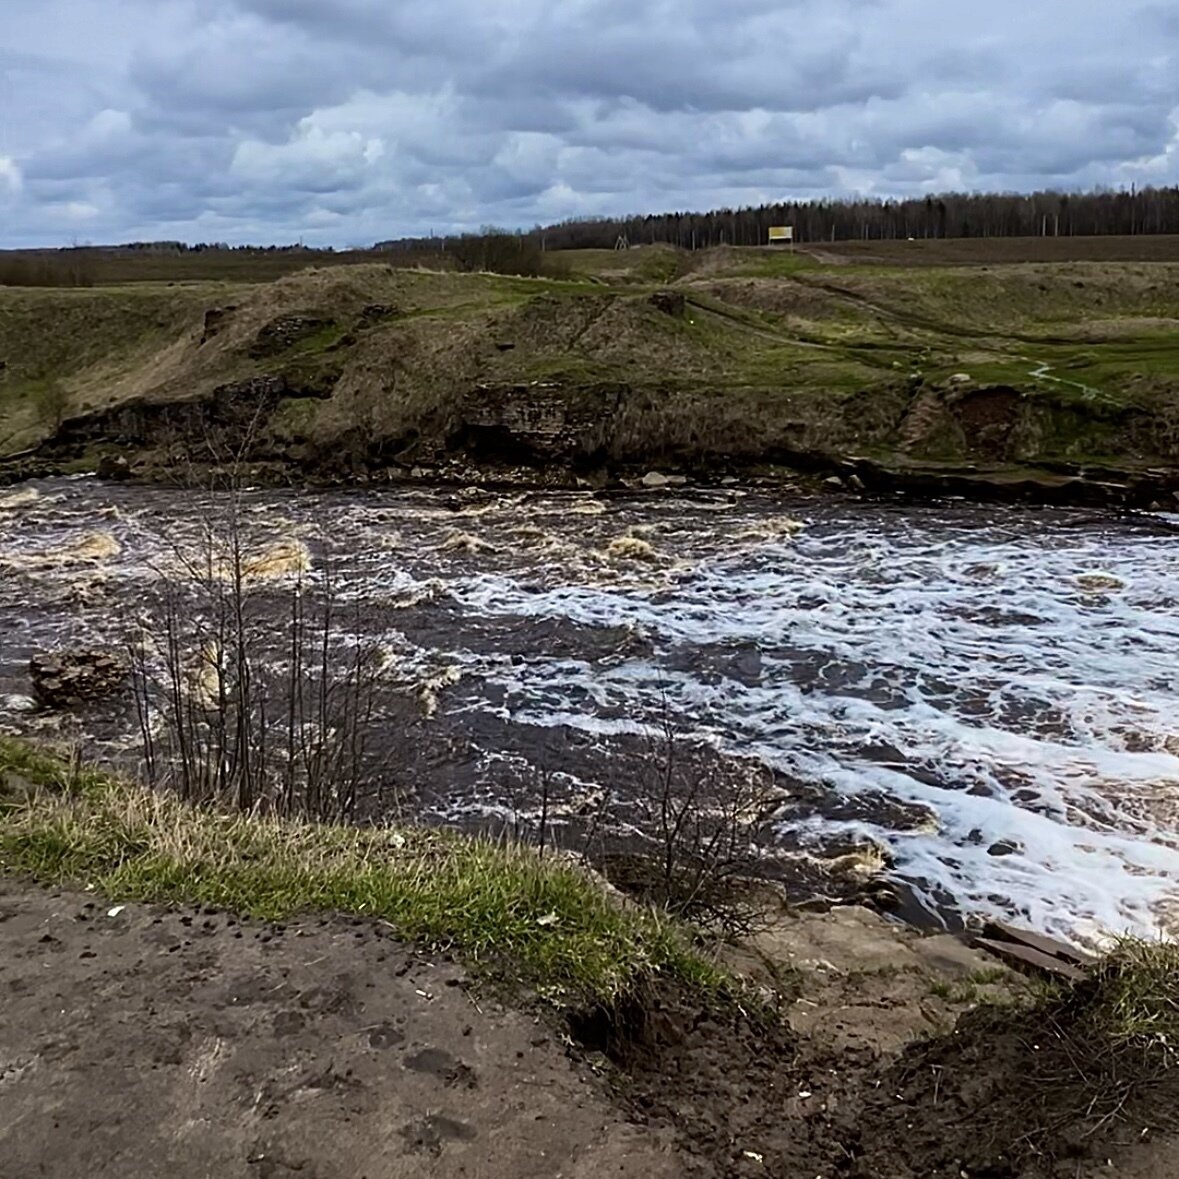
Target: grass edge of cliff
x=1067 y=1071
x=541 y=923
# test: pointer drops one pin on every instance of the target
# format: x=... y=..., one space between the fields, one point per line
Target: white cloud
x=1157 y=168
x=108 y=124
x=346 y=120
x=78 y=211
x=313 y=158
x=11 y=178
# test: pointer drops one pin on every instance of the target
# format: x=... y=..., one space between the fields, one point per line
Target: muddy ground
x=137 y=1041
x=187 y=1043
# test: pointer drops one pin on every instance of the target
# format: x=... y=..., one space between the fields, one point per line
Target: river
x=989 y=693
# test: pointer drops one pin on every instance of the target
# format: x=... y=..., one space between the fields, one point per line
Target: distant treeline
x=56 y=269
x=84 y=266
x=948 y=216
x=957 y=215
x=172 y=261
x=951 y=215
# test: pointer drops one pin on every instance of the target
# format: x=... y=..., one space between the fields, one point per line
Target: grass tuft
x=542 y=921
x=1130 y=1002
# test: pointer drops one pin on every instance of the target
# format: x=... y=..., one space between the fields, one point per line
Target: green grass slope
x=771 y=353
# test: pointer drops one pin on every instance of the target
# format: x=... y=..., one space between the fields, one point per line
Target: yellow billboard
x=781 y=233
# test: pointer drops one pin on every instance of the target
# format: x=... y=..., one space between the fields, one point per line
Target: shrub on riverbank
x=542 y=921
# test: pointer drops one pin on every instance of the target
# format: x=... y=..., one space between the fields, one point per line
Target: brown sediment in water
x=774 y=528
x=14 y=501
x=286 y=558
x=1100 y=582
x=428 y=690
x=466 y=542
x=96 y=547
x=590 y=507
x=631 y=548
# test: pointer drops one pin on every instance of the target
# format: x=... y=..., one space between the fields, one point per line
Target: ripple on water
x=1010 y=674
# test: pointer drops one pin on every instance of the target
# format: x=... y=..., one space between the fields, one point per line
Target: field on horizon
x=107 y=266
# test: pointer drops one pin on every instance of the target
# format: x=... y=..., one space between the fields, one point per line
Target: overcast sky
x=348 y=121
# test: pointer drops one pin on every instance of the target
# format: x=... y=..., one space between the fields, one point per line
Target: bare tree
x=701 y=821
x=254 y=683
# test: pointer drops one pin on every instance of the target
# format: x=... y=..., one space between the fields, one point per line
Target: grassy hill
x=716 y=359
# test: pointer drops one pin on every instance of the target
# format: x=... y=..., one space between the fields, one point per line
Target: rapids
x=1010 y=676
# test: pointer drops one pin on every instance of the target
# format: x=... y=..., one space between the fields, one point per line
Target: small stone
x=834 y=481
x=669 y=302
x=654 y=479
x=285 y=332
x=63 y=679
x=1005 y=847
x=373 y=313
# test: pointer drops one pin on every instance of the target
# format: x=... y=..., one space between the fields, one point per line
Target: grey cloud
x=1159 y=17
x=238 y=73
x=339 y=120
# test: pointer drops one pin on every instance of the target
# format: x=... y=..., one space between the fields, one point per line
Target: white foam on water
x=1014 y=672
x=1023 y=706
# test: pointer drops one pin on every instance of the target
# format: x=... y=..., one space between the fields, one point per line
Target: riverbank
x=1049 y=382
x=245 y=1045
x=938 y=692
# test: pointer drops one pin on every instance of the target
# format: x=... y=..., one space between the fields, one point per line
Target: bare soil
x=138 y=1041
x=189 y=1044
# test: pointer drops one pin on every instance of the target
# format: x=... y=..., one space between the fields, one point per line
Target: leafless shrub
x=701 y=823
x=528 y=793
x=47 y=268
x=261 y=699
x=499 y=252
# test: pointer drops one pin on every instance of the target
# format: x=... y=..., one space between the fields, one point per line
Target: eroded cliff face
x=376 y=374
x=989 y=442
x=538 y=425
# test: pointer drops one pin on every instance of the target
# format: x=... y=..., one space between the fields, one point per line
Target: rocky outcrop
x=283 y=333
x=114 y=467
x=533 y=424
x=66 y=679
x=967 y=423
x=229 y=416
x=1063 y=484
x=215 y=318
x=373 y=313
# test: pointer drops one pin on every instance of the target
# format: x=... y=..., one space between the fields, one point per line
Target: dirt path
x=140 y=1042
x=137 y=1042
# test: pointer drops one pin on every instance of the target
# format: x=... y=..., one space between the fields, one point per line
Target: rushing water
x=1009 y=676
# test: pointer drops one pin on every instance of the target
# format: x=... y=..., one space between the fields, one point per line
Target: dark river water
x=937 y=682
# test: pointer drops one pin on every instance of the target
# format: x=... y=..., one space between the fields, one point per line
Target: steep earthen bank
x=612 y=434
x=380 y=374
